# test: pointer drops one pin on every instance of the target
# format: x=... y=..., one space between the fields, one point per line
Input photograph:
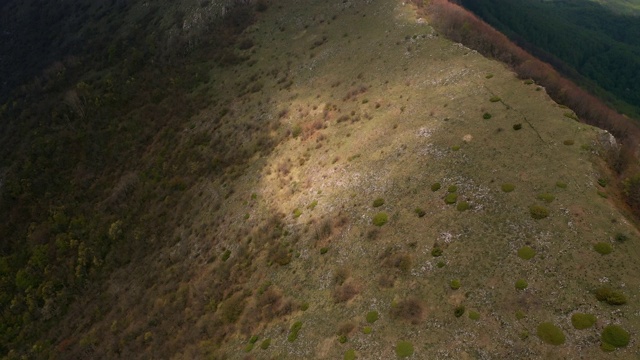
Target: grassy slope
x=413 y=97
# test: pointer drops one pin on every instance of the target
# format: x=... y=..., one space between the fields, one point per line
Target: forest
x=594 y=46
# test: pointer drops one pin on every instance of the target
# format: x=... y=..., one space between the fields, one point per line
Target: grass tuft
x=451 y=198
x=380 y=219
x=521 y=284
x=455 y=284
x=372 y=316
x=378 y=202
x=293 y=332
x=538 y=212
x=551 y=334
x=615 y=335
x=462 y=206
x=582 y=321
x=404 y=349
x=610 y=296
x=435 y=186
x=508 y=187
x=603 y=248
x=526 y=253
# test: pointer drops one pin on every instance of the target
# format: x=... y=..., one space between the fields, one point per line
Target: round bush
x=550 y=334
x=508 y=187
x=452 y=189
x=486 y=116
x=474 y=315
x=451 y=198
x=435 y=187
x=615 y=335
x=404 y=349
x=367 y=330
x=526 y=253
x=455 y=284
x=538 y=212
x=582 y=321
x=459 y=311
x=378 y=202
x=372 y=316
x=603 y=248
x=463 y=206
x=521 y=284
x=436 y=251
x=517 y=126
x=611 y=296
x=350 y=355
x=561 y=184
x=546 y=197
x=380 y=219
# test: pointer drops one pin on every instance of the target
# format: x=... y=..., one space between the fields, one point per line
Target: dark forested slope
x=590 y=43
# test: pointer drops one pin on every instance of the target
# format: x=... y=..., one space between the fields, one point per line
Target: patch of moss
x=372 y=316
x=603 y=248
x=526 y=253
x=546 y=197
x=568 y=142
x=367 y=330
x=455 y=147
x=610 y=296
x=451 y=198
x=378 y=202
x=551 y=334
x=455 y=284
x=379 y=219
x=459 y=311
x=350 y=355
x=615 y=335
x=521 y=284
x=538 y=212
x=304 y=306
x=488 y=76
x=452 y=188
x=435 y=186
x=561 y=185
x=404 y=349
x=474 y=315
x=462 y=206
x=508 y=187
x=293 y=332
x=520 y=315
x=495 y=98
x=582 y=321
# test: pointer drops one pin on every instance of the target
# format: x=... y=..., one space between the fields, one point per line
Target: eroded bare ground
x=372 y=103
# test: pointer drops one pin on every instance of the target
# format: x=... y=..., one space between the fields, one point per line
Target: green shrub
x=620 y=237
x=546 y=197
x=455 y=147
x=550 y=334
x=520 y=315
x=452 y=188
x=517 y=126
x=561 y=185
x=248 y=347
x=367 y=330
x=495 y=98
x=462 y=206
x=528 y=82
x=296 y=213
x=568 y=142
x=379 y=219
x=293 y=332
x=538 y=212
x=488 y=76
x=610 y=296
x=486 y=116
x=420 y=212
x=615 y=335
x=526 y=253
x=603 y=182
x=607 y=347
x=582 y=321
x=436 y=251
x=602 y=194
x=440 y=264
x=313 y=205
x=323 y=250
x=304 y=306
x=350 y=355
x=404 y=349
x=458 y=311
x=451 y=198
x=603 y=248
x=342 y=339
x=253 y=339
x=435 y=187
x=474 y=315
x=372 y=316
x=265 y=344
x=521 y=284
x=508 y=187
x=225 y=255
x=455 y=284
x=378 y=202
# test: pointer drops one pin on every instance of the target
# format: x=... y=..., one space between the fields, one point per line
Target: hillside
x=592 y=43
x=336 y=181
